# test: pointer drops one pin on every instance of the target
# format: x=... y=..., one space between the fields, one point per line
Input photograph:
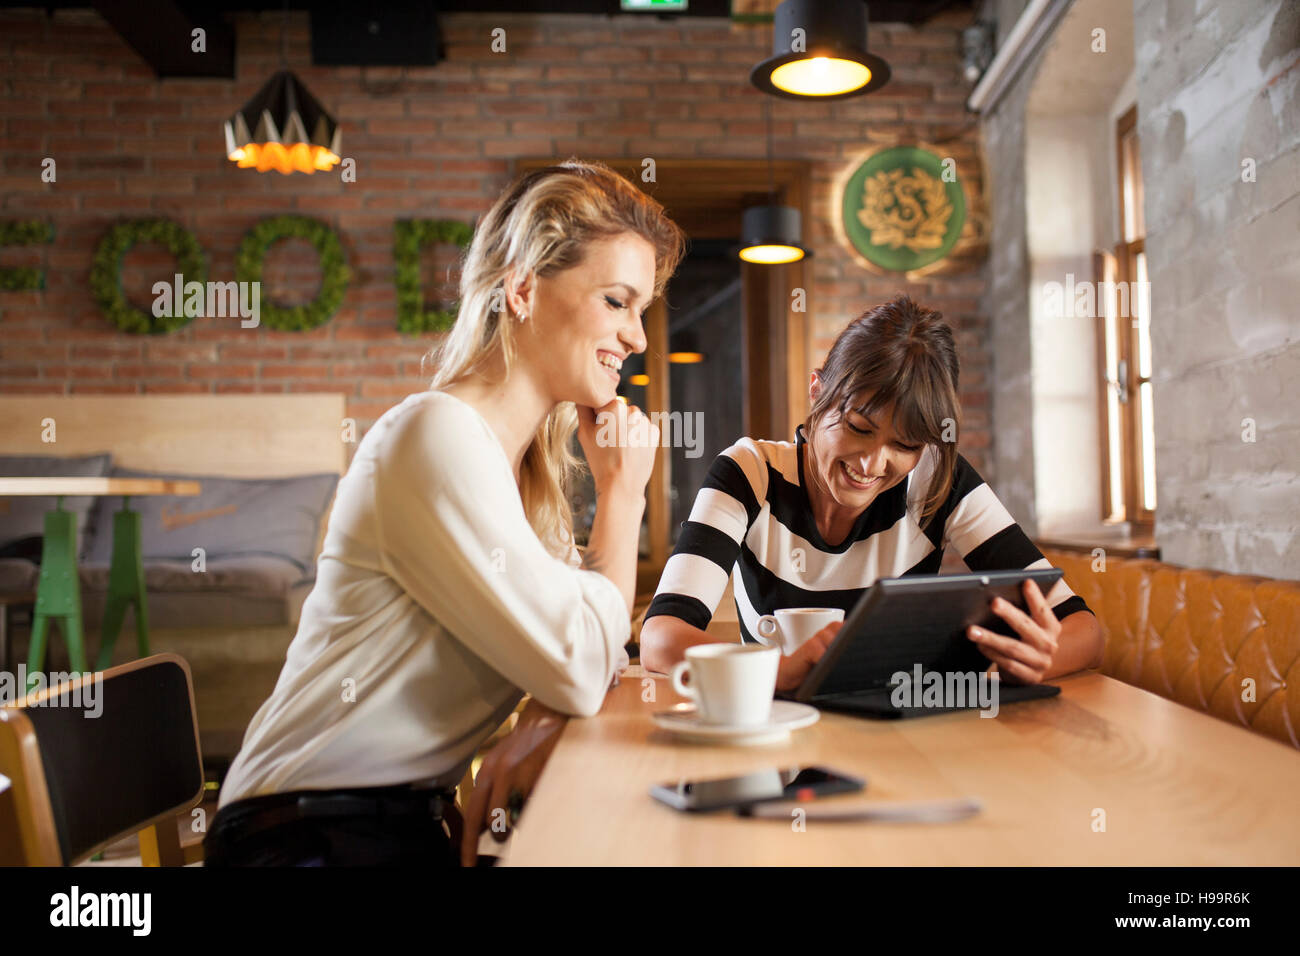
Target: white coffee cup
x=789 y=627
x=730 y=683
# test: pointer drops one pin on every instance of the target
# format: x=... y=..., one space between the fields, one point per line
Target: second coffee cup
x=789 y=627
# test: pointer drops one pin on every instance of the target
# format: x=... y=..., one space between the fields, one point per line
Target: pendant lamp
x=773 y=234
x=283 y=128
x=770 y=235
x=819 y=52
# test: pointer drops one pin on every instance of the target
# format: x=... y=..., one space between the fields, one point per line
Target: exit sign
x=655 y=6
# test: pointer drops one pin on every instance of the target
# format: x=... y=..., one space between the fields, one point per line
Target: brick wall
x=428 y=142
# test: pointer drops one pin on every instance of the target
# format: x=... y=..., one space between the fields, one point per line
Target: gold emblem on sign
x=905 y=209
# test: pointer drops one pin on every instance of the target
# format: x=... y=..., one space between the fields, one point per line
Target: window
x=1128 y=479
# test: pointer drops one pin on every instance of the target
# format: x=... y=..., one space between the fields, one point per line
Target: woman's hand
x=793 y=669
x=1028 y=660
x=620 y=444
x=507 y=776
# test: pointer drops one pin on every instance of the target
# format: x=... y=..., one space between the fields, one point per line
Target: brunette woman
x=871 y=487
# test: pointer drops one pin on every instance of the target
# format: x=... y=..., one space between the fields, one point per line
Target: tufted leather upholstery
x=1195 y=635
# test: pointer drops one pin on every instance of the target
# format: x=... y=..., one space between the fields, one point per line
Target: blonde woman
x=450 y=585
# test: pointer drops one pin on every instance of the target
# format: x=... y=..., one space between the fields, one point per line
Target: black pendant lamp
x=831 y=62
x=771 y=235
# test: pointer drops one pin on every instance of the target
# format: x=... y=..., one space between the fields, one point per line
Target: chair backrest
x=97 y=758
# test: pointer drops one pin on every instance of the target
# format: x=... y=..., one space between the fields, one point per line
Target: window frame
x=1121 y=266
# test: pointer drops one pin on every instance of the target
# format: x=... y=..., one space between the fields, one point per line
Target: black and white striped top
x=752 y=520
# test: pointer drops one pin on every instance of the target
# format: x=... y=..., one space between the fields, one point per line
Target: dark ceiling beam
x=914 y=12
x=162 y=34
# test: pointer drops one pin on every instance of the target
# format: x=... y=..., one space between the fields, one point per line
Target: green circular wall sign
x=904 y=208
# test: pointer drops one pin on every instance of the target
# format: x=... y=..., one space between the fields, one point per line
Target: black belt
x=251 y=815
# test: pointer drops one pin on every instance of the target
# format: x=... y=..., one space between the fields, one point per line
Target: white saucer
x=787 y=715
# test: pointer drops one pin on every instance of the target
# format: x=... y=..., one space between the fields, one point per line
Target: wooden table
x=1177 y=787
x=58 y=592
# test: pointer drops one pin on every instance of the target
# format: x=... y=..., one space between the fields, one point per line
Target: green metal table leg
x=58 y=592
x=125 y=586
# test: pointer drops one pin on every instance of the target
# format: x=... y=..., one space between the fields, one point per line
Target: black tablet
x=900 y=624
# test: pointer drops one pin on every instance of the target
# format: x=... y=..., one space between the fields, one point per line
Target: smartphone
x=798 y=783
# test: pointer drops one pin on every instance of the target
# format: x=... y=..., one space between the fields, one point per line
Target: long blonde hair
x=542 y=224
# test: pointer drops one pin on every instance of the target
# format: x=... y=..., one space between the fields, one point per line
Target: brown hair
x=901 y=354
x=542 y=223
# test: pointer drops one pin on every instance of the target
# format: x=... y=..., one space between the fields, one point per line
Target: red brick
x=163 y=388
x=222 y=370
x=102 y=371
x=617 y=54
x=543 y=128
x=147 y=370
x=472 y=129
x=101 y=388
x=262 y=352
x=439 y=106
x=401 y=127
x=295 y=371
x=323 y=387
x=127 y=351
x=35 y=388
x=579 y=73
x=150 y=108
x=33 y=353
x=65 y=108
x=368 y=369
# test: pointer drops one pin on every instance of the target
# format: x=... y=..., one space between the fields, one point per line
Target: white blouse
x=436 y=607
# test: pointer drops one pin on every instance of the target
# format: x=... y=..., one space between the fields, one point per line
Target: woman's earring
x=522 y=316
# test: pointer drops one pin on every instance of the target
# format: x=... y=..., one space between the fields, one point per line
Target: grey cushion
x=231 y=517
x=248 y=591
x=17 y=575
x=22 y=520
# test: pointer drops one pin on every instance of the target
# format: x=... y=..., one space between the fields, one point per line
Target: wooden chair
x=81 y=782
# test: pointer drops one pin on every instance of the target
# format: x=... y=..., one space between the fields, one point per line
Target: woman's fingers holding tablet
x=1015 y=659
x=1029 y=658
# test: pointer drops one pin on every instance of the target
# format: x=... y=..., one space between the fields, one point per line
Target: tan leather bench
x=1198 y=636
